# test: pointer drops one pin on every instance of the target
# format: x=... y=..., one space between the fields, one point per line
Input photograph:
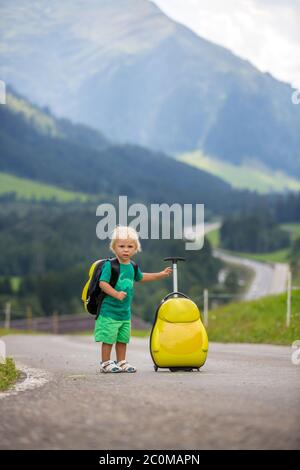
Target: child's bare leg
x=106 y=351
x=121 y=351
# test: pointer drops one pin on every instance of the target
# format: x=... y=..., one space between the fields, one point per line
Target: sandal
x=126 y=367
x=110 y=366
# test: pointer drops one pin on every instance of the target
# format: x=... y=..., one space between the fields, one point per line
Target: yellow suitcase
x=178 y=339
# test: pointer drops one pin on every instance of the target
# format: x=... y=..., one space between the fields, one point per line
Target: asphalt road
x=245 y=397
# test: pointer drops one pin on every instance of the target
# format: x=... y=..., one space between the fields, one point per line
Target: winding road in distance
x=269 y=278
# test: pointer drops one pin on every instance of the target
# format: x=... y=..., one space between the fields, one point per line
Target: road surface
x=245 y=397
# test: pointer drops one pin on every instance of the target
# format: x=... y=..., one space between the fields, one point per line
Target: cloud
x=265 y=32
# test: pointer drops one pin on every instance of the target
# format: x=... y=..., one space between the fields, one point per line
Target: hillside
x=47 y=248
x=38 y=147
x=257 y=321
x=28 y=189
x=127 y=69
x=246 y=176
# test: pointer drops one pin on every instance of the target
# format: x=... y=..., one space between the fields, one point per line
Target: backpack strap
x=135 y=267
x=115 y=271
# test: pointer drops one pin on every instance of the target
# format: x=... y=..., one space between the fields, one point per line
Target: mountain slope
x=256 y=178
x=44 y=123
x=126 y=68
x=28 y=189
x=34 y=146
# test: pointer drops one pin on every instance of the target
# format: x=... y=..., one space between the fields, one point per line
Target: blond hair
x=122 y=232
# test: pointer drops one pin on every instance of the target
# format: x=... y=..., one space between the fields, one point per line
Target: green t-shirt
x=114 y=308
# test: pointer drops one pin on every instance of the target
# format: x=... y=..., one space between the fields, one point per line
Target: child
x=113 y=324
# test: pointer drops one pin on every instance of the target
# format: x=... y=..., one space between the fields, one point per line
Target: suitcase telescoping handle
x=174 y=260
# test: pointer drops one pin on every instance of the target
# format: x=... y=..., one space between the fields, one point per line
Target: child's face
x=125 y=249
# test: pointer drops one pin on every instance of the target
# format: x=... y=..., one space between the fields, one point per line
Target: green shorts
x=110 y=331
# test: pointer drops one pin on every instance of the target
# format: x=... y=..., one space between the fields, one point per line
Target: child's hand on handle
x=166 y=272
x=121 y=295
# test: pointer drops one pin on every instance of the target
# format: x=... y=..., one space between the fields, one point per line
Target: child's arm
x=109 y=290
x=156 y=276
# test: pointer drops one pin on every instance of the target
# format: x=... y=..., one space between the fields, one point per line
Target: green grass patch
x=37 y=118
x=279 y=256
x=15 y=283
x=256 y=321
x=214 y=238
x=8 y=374
x=246 y=176
x=28 y=189
x=293 y=229
x=140 y=333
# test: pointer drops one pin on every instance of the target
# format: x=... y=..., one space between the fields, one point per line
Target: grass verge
x=29 y=189
x=256 y=321
x=279 y=256
x=8 y=374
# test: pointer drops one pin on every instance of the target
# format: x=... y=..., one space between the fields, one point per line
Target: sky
x=265 y=32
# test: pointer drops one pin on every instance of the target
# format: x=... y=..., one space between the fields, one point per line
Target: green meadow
x=246 y=176
x=256 y=321
x=28 y=189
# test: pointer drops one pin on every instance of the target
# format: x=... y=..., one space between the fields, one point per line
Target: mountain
x=127 y=69
x=37 y=146
x=42 y=121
